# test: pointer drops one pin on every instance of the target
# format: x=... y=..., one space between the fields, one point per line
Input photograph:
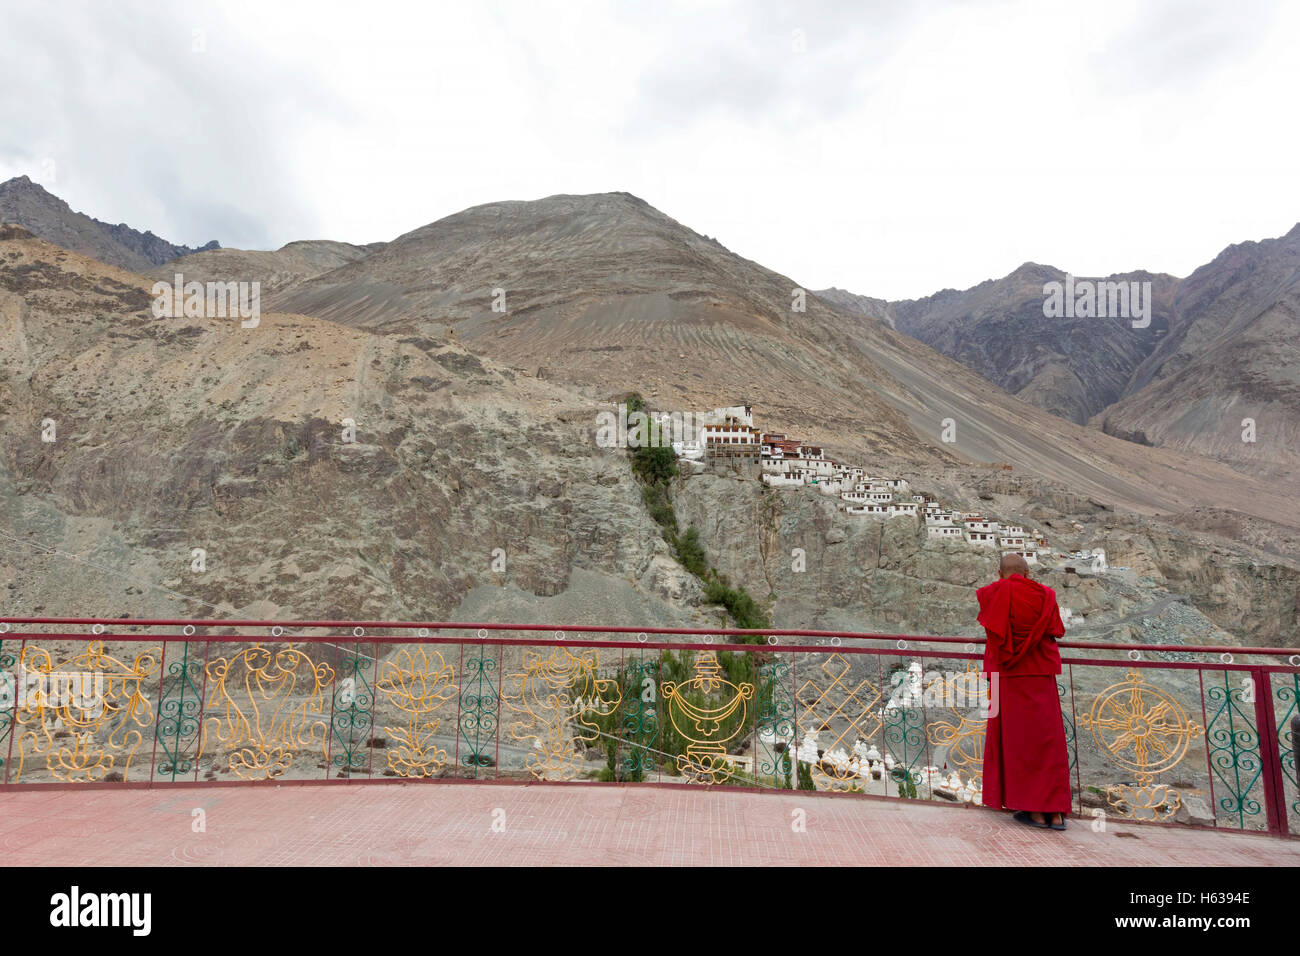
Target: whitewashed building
x=729 y=415
x=948 y=532
x=729 y=434
x=818 y=468
x=1029 y=554
x=690 y=450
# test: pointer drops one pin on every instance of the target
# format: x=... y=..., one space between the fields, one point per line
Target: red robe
x=1026 y=763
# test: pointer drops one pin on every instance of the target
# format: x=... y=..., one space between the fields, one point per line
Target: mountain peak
x=30 y=205
x=569 y=203
x=24 y=186
x=619 y=217
x=1035 y=271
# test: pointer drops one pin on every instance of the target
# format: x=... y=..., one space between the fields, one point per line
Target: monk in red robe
x=1026 y=763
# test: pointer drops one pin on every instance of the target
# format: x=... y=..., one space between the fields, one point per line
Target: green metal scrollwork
x=1234 y=751
x=1284 y=734
x=904 y=729
x=180 y=710
x=775 y=719
x=479 y=706
x=640 y=719
x=353 y=716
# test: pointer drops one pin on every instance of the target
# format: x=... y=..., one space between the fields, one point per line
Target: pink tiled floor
x=432 y=824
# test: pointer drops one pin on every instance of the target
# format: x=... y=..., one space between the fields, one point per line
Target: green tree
x=805 y=777
x=907 y=786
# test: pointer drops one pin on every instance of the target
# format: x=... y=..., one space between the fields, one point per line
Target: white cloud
x=908 y=148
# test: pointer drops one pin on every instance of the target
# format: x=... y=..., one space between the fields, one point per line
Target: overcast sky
x=892 y=149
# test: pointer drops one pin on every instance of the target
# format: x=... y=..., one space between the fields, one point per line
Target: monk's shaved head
x=1013 y=563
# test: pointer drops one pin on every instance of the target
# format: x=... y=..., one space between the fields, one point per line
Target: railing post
x=1270 y=752
x=1295 y=744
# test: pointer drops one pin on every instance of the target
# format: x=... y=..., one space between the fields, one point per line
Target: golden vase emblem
x=705 y=725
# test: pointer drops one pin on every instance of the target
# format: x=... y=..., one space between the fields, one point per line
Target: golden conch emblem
x=705 y=727
x=417 y=687
x=266 y=701
x=556 y=697
x=1145 y=731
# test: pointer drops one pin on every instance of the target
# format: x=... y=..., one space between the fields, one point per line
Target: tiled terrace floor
x=612 y=825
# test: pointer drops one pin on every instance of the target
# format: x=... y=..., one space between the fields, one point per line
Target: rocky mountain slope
x=276 y=270
x=178 y=434
x=30 y=205
x=475 y=431
x=1073 y=368
x=608 y=293
x=1220 y=347
x=1232 y=354
x=861 y=304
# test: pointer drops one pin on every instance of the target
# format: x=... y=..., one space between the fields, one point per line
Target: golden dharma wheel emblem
x=1145 y=731
x=1142 y=728
x=705 y=725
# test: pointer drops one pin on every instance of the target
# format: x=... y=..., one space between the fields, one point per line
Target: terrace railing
x=1163 y=733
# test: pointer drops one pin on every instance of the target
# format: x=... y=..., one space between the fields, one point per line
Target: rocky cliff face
x=861 y=304
x=822 y=569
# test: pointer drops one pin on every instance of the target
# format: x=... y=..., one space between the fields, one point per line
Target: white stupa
x=837 y=758
x=808 y=748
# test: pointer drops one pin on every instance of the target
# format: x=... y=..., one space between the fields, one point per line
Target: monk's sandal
x=1022 y=816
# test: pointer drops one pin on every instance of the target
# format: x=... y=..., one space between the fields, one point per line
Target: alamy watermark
x=76 y=908
x=641 y=429
x=208 y=300
x=55 y=690
x=933 y=690
x=1085 y=299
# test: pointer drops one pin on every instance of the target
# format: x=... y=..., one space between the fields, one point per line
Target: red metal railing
x=1156 y=734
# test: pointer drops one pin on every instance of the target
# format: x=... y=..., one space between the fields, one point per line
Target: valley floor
x=414 y=824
